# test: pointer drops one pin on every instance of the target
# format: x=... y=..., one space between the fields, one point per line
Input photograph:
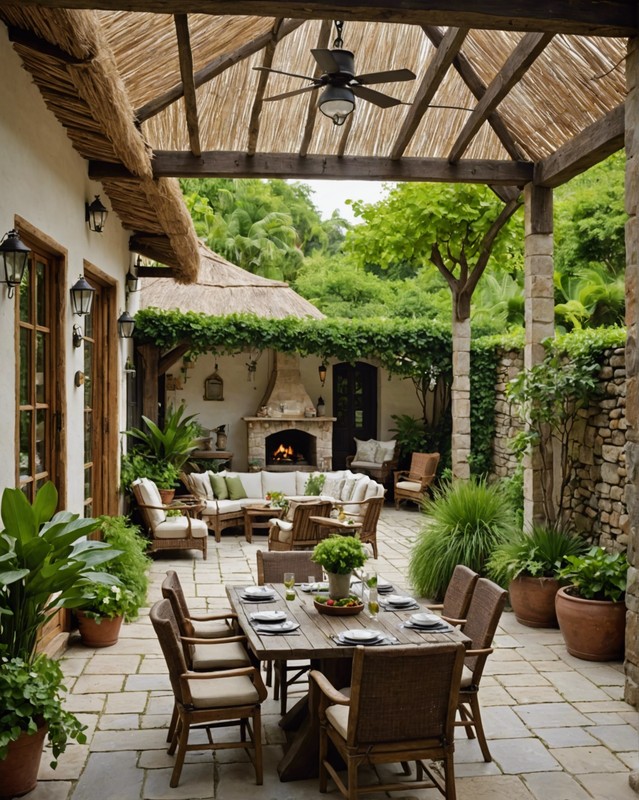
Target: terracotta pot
x=167 y=496
x=592 y=629
x=19 y=770
x=102 y=634
x=338 y=585
x=533 y=601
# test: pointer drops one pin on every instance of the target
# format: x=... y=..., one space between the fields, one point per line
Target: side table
x=257 y=518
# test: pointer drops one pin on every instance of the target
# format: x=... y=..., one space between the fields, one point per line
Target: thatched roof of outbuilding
x=222 y=288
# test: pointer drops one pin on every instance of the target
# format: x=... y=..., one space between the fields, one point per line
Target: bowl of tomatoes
x=347 y=606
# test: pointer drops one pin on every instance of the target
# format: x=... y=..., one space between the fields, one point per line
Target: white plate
x=278 y=627
x=314 y=587
x=268 y=616
x=399 y=600
x=425 y=620
x=259 y=591
x=360 y=635
x=384 y=586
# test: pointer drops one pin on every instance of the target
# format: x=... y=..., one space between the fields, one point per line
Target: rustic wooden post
x=632 y=377
x=150 y=359
x=540 y=324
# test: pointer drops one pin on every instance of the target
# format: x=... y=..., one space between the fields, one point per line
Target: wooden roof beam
x=256 y=110
x=30 y=41
x=224 y=164
x=185 y=57
x=610 y=18
x=588 y=148
x=214 y=68
x=516 y=66
x=323 y=41
x=478 y=88
x=433 y=77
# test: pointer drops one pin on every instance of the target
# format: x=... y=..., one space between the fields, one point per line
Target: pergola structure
x=519 y=96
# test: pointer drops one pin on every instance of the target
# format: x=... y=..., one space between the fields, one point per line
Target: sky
x=330 y=195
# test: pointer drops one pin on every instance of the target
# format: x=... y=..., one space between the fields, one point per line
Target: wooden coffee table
x=256 y=517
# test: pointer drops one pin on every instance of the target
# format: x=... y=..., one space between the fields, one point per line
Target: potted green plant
x=46 y=563
x=164 y=474
x=100 y=619
x=527 y=563
x=339 y=556
x=591 y=610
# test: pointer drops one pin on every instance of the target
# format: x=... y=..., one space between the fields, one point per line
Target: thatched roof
x=222 y=288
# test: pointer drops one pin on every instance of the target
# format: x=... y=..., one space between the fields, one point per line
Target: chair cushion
x=151 y=497
x=210 y=629
x=385 y=451
x=224 y=692
x=365 y=450
x=358 y=494
x=236 y=488
x=218 y=484
x=282 y=524
x=229 y=506
x=466 y=678
x=366 y=464
x=176 y=528
x=200 y=485
x=226 y=655
x=338 y=717
x=284 y=482
x=333 y=487
x=409 y=486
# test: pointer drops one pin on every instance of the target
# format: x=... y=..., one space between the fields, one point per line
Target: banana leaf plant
x=173 y=443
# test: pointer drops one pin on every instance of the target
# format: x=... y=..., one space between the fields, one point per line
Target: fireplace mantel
x=276 y=420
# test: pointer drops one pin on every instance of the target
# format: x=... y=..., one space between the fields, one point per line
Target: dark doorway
x=354 y=406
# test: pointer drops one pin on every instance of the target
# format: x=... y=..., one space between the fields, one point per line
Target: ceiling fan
x=340 y=83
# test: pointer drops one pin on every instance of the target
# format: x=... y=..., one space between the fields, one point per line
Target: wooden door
x=354 y=406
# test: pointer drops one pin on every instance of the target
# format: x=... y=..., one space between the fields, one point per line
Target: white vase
x=338 y=585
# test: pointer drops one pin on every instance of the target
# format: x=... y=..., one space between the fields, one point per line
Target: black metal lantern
x=82 y=297
x=132 y=282
x=15 y=256
x=126 y=325
x=322 y=372
x=337 y=102
x=96 y=214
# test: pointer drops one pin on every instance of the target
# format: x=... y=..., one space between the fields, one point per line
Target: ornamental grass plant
x=464 y=522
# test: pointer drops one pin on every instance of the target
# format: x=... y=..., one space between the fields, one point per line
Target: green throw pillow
x=218 y=484
x=236 y=489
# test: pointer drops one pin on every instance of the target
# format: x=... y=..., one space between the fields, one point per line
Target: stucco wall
x=44 y=181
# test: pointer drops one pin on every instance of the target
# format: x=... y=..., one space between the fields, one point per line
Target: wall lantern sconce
x=214 y=386
x=78 y=336
x=82 y=297
x=132 y=279
x=95 y=214
x=15 y=255
x=322 y=372
x=126 y=325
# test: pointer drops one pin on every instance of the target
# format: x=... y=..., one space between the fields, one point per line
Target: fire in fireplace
x=291 y=447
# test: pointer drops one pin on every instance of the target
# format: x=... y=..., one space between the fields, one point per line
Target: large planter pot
x=102 y=634
x=533 y=601
x=19 y=770
x=167 y=496
x=338 y=585
x=592 y=629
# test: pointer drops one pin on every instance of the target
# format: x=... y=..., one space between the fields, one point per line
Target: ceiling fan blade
x=326 y=60
x=291 y=94
x=281 y=72
x=377 y=98
x=390 y=76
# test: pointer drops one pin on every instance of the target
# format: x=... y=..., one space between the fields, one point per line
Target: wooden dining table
x=314 y=640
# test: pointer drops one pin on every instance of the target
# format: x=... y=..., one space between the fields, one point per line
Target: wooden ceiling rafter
x=323 y=41
x=214 y=68
x=517 y=64
x=185 y=58
x=478 y=88
x=262 y=80
x=346 y=132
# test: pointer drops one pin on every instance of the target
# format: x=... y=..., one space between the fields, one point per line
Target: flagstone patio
x=558 y=727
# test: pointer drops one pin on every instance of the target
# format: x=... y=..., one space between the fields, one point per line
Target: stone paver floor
x=558 y=727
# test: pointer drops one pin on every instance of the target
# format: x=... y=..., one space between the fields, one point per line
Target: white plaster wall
x=44 y=180
x=242 y=398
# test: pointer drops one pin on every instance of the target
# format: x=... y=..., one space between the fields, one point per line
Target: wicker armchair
x=458 y=595
x=381 y=472
x=185 y=532
x=209 y=699
x=401 y=708
x=270 y=569
x=485 y=610
x=301 y=533
x=367 y=513
x=412 y=484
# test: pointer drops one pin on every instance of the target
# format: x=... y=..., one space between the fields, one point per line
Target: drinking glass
x=373 y=604
x=289 y=582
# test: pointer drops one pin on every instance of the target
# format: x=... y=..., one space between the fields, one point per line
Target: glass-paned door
x=354 y=406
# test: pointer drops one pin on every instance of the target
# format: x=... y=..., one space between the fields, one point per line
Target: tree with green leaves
x=458 y=229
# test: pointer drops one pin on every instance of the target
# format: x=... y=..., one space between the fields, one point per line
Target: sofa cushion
x=385 y=451
x=176 y=527
x=374 y=489
x=235 y=487
x=409 y=486
x=151 y=497
x=365 y=450
x=284 y=482
x=218 y=484
x=333 y=487
x=251 y=481
x=229 y=506
x=348 y=488
x=199 y=484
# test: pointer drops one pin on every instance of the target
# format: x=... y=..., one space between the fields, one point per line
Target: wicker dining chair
x=300 y=533
x=458 y=595
x=484 y=612
x=209 y=699
x=413 y=483
x=271 y=567
x=401 y=708
x=208 y=626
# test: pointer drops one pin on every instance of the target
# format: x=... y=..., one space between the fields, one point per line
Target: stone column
x=540 y=318
x=460 y=397
x=632 y=376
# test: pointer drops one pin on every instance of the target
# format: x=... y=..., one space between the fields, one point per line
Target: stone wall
x=597 y=491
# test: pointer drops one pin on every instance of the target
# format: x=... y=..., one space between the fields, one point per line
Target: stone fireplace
x=281 y=437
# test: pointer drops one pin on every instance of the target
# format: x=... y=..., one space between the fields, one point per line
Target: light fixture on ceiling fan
x=340 y=83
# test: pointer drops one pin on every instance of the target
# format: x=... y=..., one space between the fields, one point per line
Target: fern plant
x=465 y=522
